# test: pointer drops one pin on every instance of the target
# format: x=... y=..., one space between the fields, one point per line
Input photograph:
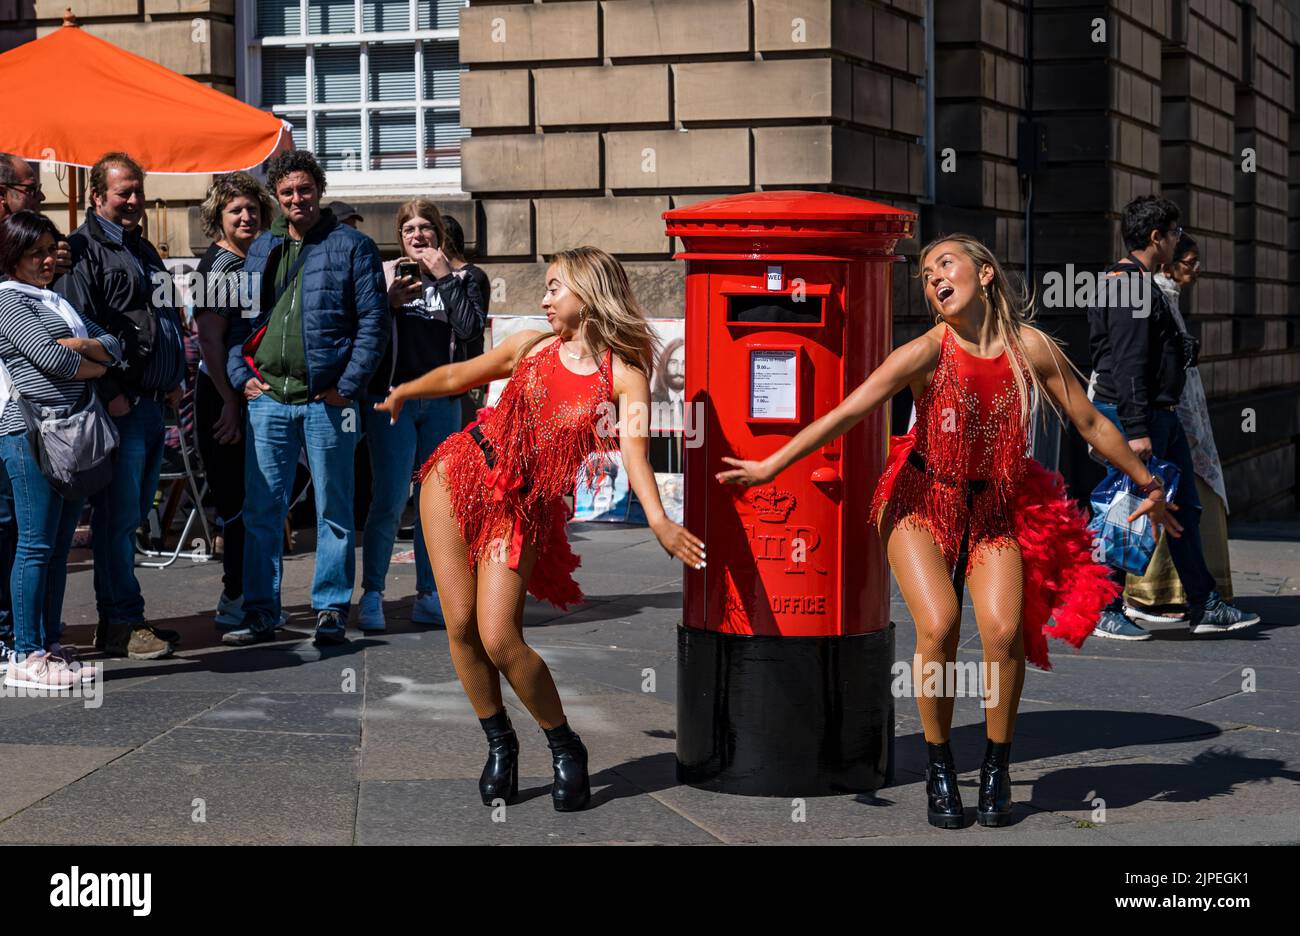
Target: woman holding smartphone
x=437 y=314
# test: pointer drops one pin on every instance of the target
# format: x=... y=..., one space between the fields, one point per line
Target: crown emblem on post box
x=772 y=504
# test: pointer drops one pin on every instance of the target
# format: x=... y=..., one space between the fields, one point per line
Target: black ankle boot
x=995 y=785
x=943 y=799
x=572 y=789
x=500 y=778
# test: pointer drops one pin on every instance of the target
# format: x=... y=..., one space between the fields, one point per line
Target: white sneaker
x=83 y=671
x=427 y=610
x=40 y=671
x=1134 y=613
x=370 y=613
x=5 y=654
x=230 y=612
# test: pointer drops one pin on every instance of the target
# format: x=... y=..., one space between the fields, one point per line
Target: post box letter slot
x=801 y=310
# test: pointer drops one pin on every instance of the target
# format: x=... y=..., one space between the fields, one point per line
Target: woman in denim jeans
x=48 y=352
x=437 y=314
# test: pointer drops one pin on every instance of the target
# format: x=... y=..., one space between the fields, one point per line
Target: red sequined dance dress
x=508 y=471
x=963 y=470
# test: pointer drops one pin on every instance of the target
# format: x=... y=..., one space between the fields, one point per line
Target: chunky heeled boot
x=572 y=789
x=500 y=777
x=995 y=785
x=943 y=799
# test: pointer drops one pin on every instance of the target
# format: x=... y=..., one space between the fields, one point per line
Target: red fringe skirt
x=496 y=520
x=1065 y=590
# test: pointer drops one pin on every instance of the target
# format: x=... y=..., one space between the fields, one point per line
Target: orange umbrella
x=71 y=97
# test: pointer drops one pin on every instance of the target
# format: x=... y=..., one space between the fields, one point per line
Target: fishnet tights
x=996 y=585
x=484 y=611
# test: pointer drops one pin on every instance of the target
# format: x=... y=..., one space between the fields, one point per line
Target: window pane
x=441 y=71
x=338 y=75
x=385 y=15
x=392 y=140
x=392 y=72
x=299 y=134
x=442 y=136
x=284 y=76
x=338 y=140
x=331 y=16
x=278 y=18
x=439 y=14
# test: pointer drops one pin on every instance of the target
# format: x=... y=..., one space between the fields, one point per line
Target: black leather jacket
x=466 y=307
x=1137 y=353
x=105 y=286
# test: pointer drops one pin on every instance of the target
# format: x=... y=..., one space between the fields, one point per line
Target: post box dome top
x=788 y=224
x=812 y=206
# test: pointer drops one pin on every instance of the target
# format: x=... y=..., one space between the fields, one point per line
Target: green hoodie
x=281 y=356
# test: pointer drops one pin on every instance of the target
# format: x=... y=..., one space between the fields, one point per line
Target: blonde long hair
x=1012 y=310
x=614 y=318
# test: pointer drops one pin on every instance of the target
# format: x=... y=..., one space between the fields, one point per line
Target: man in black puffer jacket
x=119 y=281
x=303 y=360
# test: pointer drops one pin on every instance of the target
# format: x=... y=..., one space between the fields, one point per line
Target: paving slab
x=441 y=812
x=302 y=712
x=375 y=742
x=143 y=800
x=34 y=771
x=125 y=719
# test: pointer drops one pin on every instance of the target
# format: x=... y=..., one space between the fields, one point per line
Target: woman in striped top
x=48 y=352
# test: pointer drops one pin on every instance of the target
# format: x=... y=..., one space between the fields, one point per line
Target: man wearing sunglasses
x=20 y=190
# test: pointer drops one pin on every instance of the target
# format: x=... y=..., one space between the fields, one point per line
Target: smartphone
x=409 y=268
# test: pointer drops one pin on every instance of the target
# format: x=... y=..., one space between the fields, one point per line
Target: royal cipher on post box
x=786 y=648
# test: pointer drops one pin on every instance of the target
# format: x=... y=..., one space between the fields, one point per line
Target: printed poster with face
x=606 y=501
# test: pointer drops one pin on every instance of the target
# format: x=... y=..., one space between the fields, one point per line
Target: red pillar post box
x=785 y=652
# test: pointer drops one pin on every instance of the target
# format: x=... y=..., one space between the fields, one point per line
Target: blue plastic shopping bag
x=1125 y=545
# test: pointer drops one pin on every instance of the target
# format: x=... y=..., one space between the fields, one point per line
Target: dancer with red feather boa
x=960 y=494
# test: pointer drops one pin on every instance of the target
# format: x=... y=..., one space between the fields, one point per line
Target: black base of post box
x=785 y=716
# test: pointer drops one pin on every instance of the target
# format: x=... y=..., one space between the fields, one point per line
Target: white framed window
x=372 y=87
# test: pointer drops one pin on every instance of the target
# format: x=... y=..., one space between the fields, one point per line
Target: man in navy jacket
x=315 y=336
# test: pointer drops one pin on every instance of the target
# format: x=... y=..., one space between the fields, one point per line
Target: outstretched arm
x=455 y=378
x=1053 y=370
x=633 y=393
x=902 y=367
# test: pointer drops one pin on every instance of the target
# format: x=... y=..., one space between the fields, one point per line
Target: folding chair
x=183 y=478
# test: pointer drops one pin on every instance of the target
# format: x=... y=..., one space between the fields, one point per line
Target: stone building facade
x=583 y=121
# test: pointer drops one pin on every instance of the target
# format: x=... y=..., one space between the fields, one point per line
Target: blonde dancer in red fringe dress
x=962 y=478
x=492 y=496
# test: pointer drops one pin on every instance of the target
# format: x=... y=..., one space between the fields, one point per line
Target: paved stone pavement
x=375 y=743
